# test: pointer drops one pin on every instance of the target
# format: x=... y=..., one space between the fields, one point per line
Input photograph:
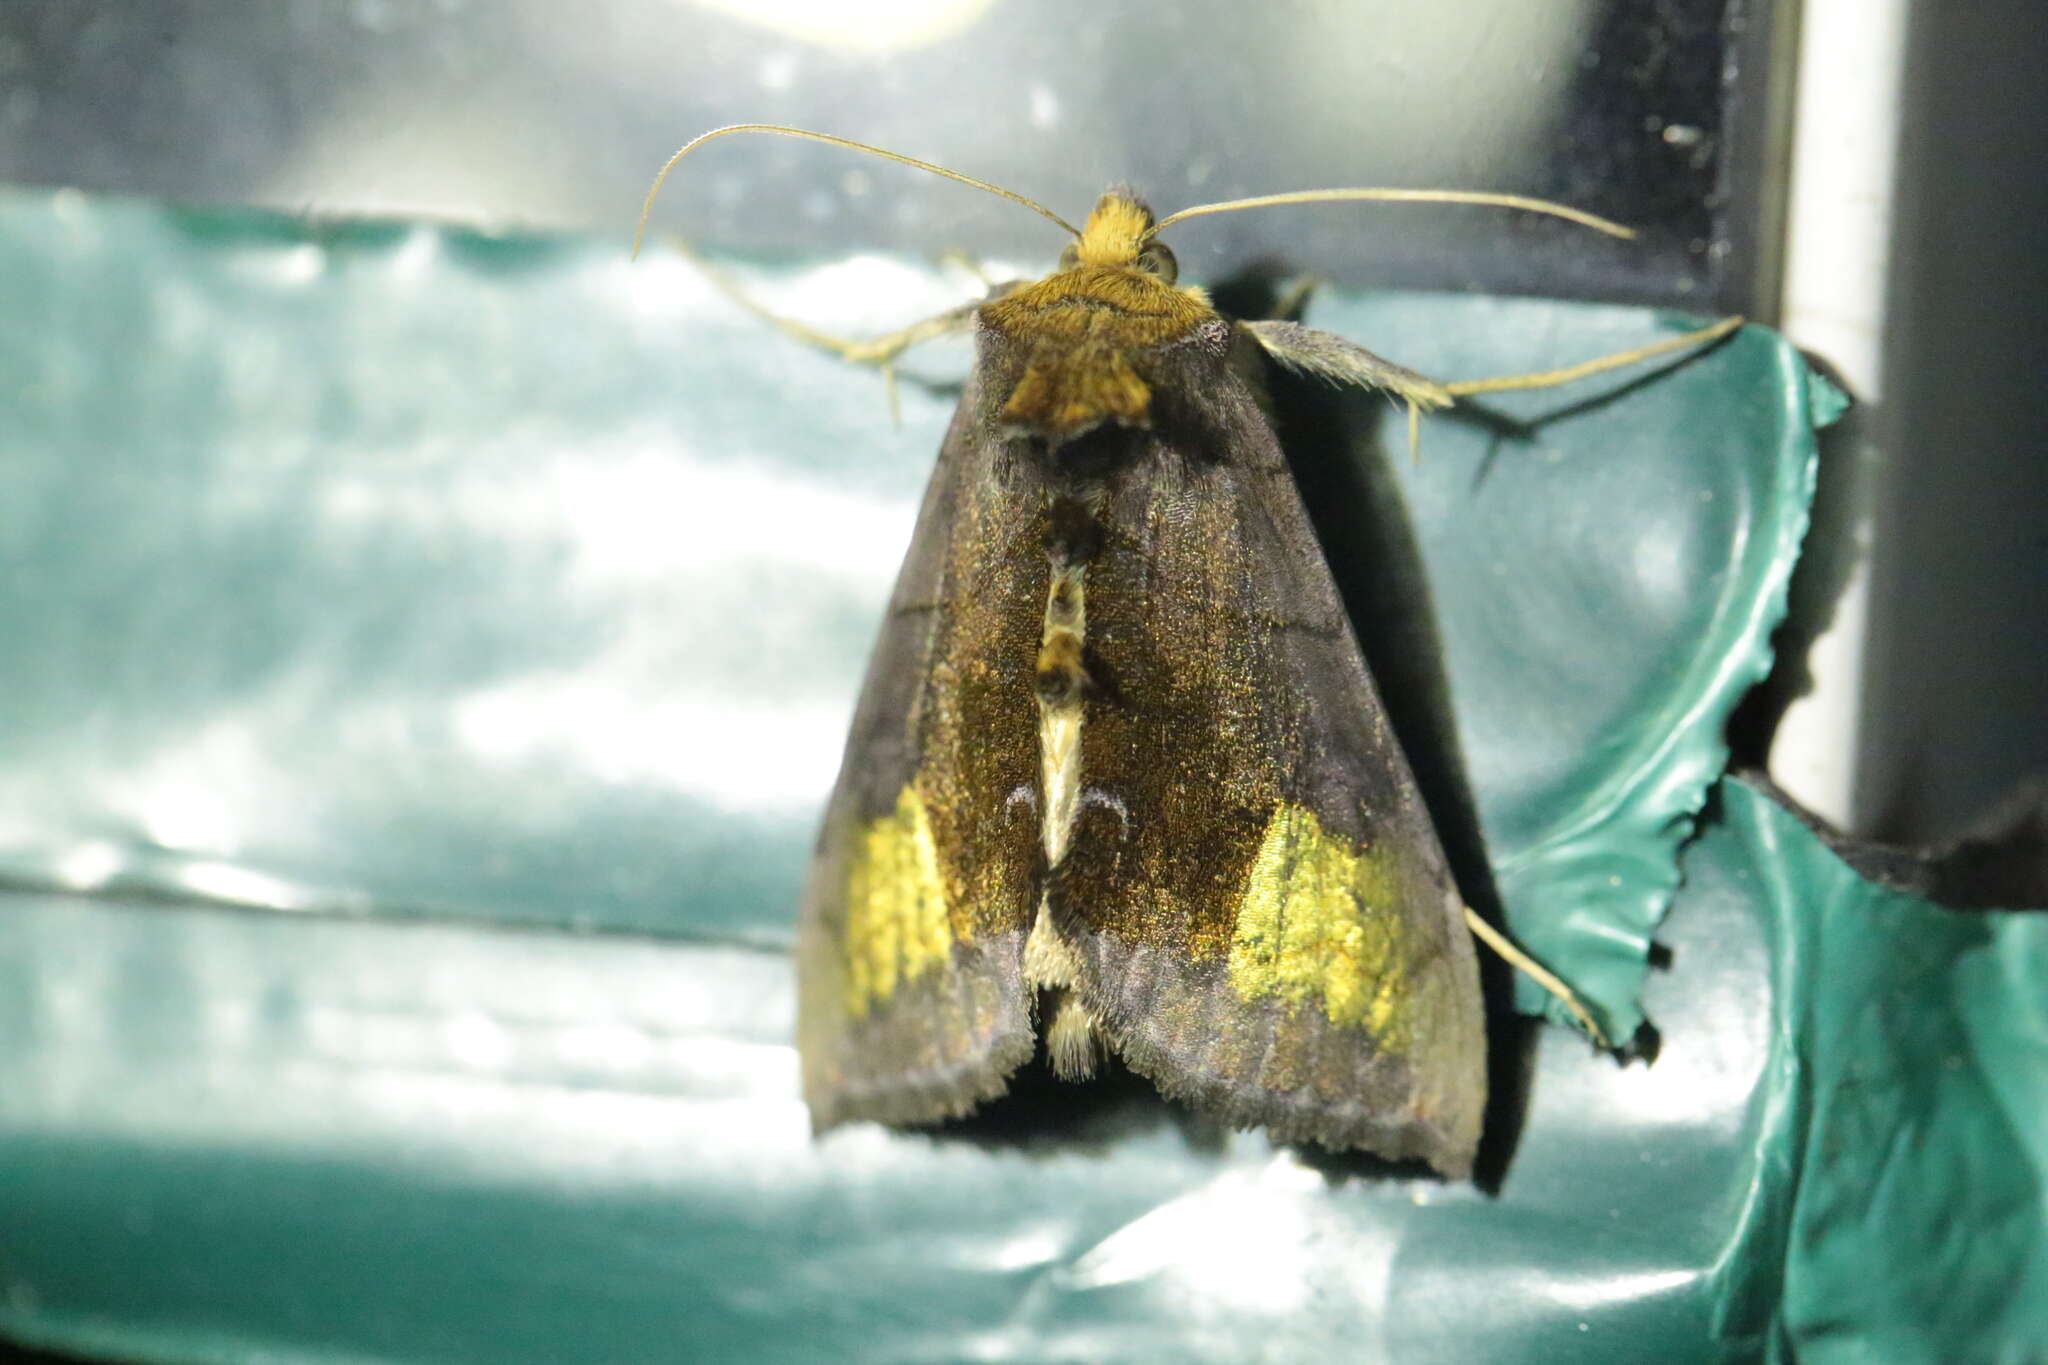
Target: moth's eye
x=1155 y=259
x=1071 y=257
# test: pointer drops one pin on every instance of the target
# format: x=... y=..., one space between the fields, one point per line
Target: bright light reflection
x=240 y=886
x=1702 y=1081
x=417 y=255
x=603 y=1047
x=301 y=264
x=762 y=757
x=67 y=205
x=642 y=510
x=735 y=1069
x=1601 y=1291
x=89 y=865
x=877 y=26
x=1032 y=1247
x=476 y=1040
x=1242 y=1242
x=777 y=71
x=1659 y=566
x=186 y=815
x=657 y=512
x=1045 y=106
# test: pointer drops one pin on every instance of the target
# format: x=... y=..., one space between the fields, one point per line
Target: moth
x=1118 y=779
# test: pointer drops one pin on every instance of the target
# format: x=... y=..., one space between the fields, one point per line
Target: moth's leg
x=1329 y=356
x=1545 y=379
x=1343 y=362
x=880 y=351
x=1537 y=972
x=960 y=260
x=1292 y=300
x=1259 y=294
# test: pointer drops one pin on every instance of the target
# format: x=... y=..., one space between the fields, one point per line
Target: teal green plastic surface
x=428 y=651
x=1905 y=1110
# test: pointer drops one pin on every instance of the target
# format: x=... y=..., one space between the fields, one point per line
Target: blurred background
x=1865 y=173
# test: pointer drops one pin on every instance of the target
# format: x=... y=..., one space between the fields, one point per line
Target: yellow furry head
x=1115 y=231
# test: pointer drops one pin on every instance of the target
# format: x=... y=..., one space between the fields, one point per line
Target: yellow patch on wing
x=1320 y=922
x=897 y=928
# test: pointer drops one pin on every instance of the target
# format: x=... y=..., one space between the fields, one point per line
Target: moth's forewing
x=1239 y=881
x=912 y=1005
x=1267 y=924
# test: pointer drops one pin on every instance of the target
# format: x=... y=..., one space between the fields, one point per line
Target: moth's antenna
x=1505 y=201
x=1547 y=379
x=640 y=229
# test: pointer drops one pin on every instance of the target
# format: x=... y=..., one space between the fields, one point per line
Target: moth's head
x=1119 y=234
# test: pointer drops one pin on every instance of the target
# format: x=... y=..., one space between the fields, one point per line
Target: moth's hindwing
x=1265 y=921
x=912 y=1005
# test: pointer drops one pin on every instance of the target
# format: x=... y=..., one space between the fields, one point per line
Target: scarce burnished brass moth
x=1118 y=777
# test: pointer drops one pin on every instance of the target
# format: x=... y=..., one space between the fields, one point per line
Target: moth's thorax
x=1085 y=337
